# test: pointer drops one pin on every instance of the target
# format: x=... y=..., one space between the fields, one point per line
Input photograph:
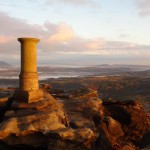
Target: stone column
x=28 y=79
x=28 y=76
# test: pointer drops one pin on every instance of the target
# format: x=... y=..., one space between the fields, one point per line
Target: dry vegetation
x=110 y=87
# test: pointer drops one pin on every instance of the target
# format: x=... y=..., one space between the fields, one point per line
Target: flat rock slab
x=28 y=96
x=24 y=119
x=40 y=104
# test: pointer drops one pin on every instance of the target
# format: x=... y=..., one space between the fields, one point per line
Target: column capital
x=28 y=39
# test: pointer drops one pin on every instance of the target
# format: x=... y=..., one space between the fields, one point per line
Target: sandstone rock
x=24 y=121
x=135 y=122
x=129 y=146
x=9 y=113
x=28 y=96
x=83 y=93
x=6 y=94
x=4 y=106
x=77 y=122
x=3 y=100
x=90 y=107
x=42 y=122
x=45 y=86
x=40 y=104
x=74 y=139
x=112 y=130
x=80 y=135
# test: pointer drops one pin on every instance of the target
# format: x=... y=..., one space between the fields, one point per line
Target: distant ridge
x=4 y=65
x=143 y=74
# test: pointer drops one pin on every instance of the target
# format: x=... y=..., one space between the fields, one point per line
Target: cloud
x=8 y=5
x=62 y=33
x=90 y=3
x=124 y=35
x=18 y=27
x=59 y=41
x=102 y=47
x=144 y=7
x=5 y=39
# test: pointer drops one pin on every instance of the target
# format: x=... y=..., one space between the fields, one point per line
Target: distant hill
x=143 y=74
x=100 y=70
x=127 y=67
x=4 y=65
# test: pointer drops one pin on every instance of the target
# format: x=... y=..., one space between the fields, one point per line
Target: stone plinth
x=28 y=96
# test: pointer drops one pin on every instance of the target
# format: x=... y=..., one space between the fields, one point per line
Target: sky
x=77 y=32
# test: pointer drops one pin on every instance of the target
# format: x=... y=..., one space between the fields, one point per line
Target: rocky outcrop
x=23 y=120
x=42 y=124
x=5 y=103
x=74 y=120
x=134 y=122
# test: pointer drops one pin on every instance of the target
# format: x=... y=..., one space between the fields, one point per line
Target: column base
x=28 y=81
x=28 y=96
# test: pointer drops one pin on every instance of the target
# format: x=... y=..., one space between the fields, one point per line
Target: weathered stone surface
x=43 y=122
x=29 y=81
x=112 y=130
x=78 y=94
x=46 y=100
x=77 y=123
x=3 y=100
x=131 y=115
x=5 y=103
x=9 y=113
x=45 y=86
x=5 y=94
x=128 y=146
x=32 y=128
x=80 y=135
x=28 y=96
x=78 y=139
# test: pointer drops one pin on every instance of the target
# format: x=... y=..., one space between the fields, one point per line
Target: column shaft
x=28 y=57
x=28 y=76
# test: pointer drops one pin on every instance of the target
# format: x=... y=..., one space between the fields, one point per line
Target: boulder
x=134 y=120
x=25 y=119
